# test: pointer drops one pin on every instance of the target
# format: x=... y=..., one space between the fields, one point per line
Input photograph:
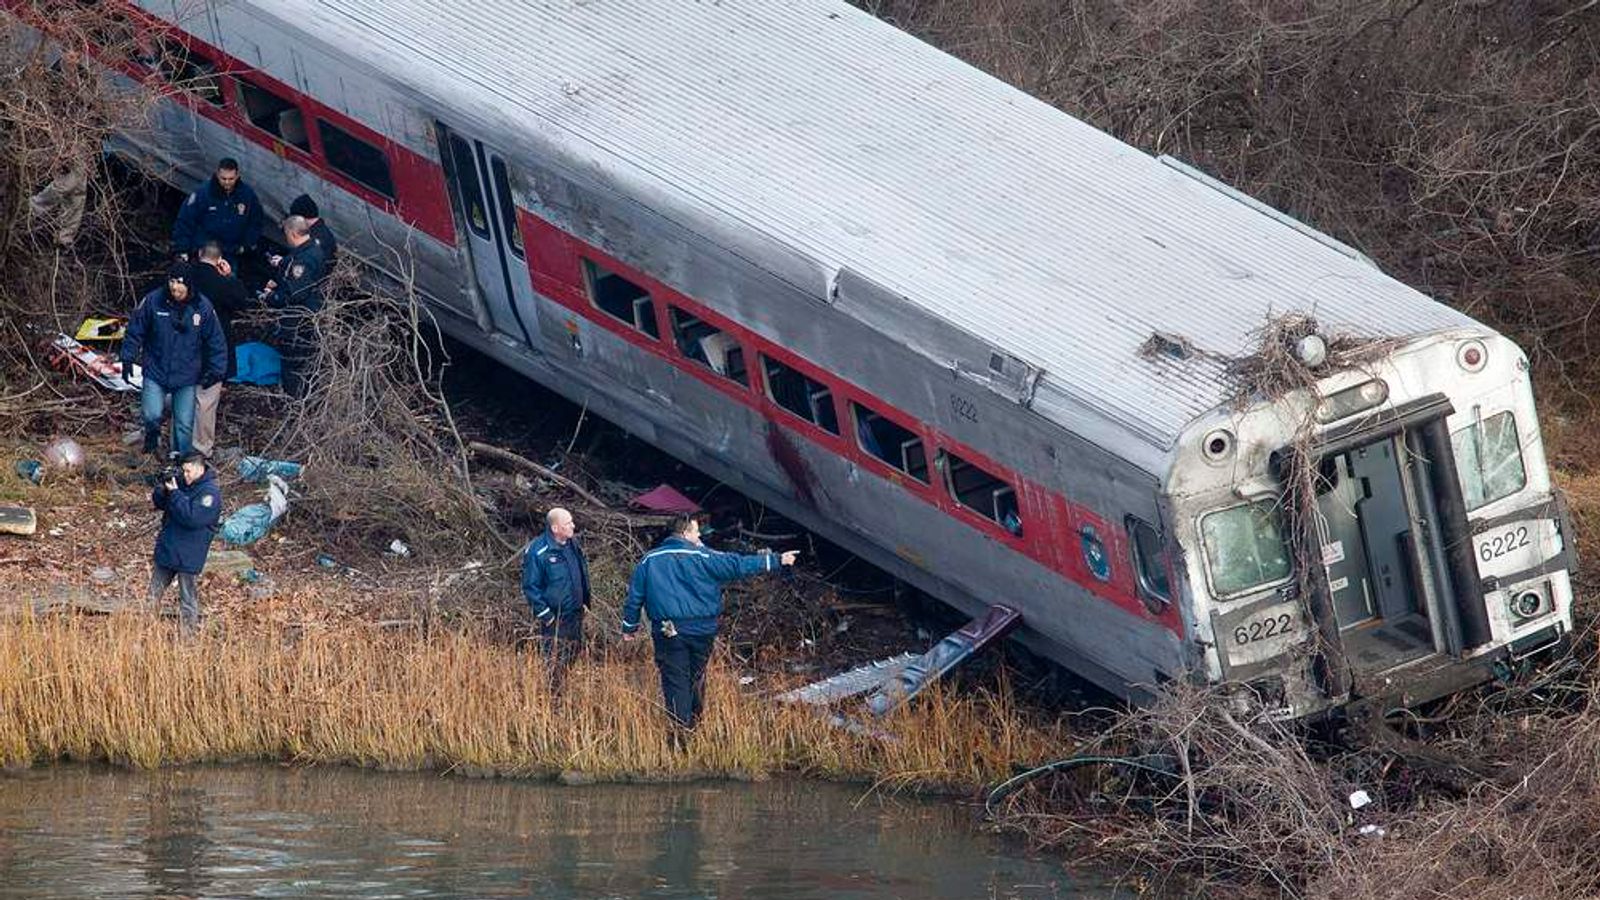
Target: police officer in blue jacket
x=190 y=505
x=296 y=289
x=176 y=336
x=555 y=582
x=679 y=584
x=225 y=210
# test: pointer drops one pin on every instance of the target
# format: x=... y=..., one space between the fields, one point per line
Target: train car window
x=356 y=158
x=1244 y=547
x=620 y=298
x=273 y=114
x=1489 y=460
x=708 y=345
x=468 y=186
x=888 y=441
x=791 y=389
x=189 y=71
x=981 y=492
x=1150 y=562
x=508 y=207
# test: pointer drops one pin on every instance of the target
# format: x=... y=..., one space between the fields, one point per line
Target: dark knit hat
x=179 y=272
x=303 y=205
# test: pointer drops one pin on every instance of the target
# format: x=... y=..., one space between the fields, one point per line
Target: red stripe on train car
x=1053 y=526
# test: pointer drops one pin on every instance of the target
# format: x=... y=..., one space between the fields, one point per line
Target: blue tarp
x=257 y=364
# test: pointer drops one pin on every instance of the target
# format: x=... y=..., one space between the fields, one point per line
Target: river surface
x=264 y=831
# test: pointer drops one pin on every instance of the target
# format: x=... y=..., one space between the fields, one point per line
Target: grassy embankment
x=123 y=689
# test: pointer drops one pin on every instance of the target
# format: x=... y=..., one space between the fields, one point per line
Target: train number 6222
x=1261 y=629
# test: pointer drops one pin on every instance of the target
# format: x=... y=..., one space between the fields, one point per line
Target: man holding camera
x=191 y=505
x=679 y=584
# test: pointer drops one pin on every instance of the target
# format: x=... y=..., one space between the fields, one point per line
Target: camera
x=172 y=470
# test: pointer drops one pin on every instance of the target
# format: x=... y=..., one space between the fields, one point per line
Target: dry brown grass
x=124 y=689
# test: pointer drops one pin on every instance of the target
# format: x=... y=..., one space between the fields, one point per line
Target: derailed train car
x=970 y=337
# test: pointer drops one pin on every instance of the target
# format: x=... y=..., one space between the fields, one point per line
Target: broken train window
x=887 y=440
x=805 y=397
x=707 y=345
x=620 y=298
x=981 y=492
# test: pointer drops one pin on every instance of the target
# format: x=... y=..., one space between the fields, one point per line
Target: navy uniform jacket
x=299 y=279
x=325 y=241
x=179 y=344
x=189 y=519
x=233 y=219
x=683 y=582
x=228 y=297
x=555 y=578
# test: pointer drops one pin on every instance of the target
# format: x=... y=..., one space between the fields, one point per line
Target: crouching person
x=679 y=585
x=190 y=505
x=555 y=582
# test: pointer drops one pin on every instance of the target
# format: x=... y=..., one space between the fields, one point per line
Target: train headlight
x=1348 y=402
x=1529 y=604
x=1218 y=445
x=1312 y=350
x=1472 y=355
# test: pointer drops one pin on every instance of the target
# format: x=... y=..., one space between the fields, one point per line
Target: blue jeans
x=153 y=402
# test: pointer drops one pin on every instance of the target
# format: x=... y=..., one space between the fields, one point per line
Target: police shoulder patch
x=297 y=270
x=206 y=500
x=241 y=209
x=197 y=320
x=192 y=198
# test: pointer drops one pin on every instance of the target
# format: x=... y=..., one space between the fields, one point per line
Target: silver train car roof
x=826 y=141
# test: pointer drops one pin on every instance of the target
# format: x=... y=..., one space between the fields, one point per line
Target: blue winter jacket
x=555 y=578
x=189 y=519
x=179 y=344
x=233 y=219
x=683 y=582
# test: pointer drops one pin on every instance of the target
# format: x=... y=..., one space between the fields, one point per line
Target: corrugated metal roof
x=861 y=146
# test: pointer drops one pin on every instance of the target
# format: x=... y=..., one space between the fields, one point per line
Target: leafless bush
x=1240 y=802
x=382 y=457
x=63 y=229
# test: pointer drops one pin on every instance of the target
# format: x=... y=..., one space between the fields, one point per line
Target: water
x=260 y=831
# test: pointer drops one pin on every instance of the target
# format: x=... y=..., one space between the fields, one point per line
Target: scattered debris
x=102 y=328
x=64 y=453
x=250 y=523
x=399 y=548
x=665 y=499
x=30 y=470
x=229 y=562
x=67 y=355
x=256 y=469
x=103 y=575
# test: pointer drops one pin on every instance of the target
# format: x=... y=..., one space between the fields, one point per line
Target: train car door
x=481 y=181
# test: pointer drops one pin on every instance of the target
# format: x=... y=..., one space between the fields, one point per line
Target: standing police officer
x=555 y=582
x=176 y=336
x=297 y=290
x=679 y=584
x=225 y=210
x=189 y=514
x=306 y=208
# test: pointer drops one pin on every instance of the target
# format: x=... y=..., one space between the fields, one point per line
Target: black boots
x=152 y=441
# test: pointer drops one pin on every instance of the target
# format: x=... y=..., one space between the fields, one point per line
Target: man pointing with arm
x=679 y=585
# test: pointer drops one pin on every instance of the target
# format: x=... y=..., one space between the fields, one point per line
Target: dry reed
x=124 y=690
